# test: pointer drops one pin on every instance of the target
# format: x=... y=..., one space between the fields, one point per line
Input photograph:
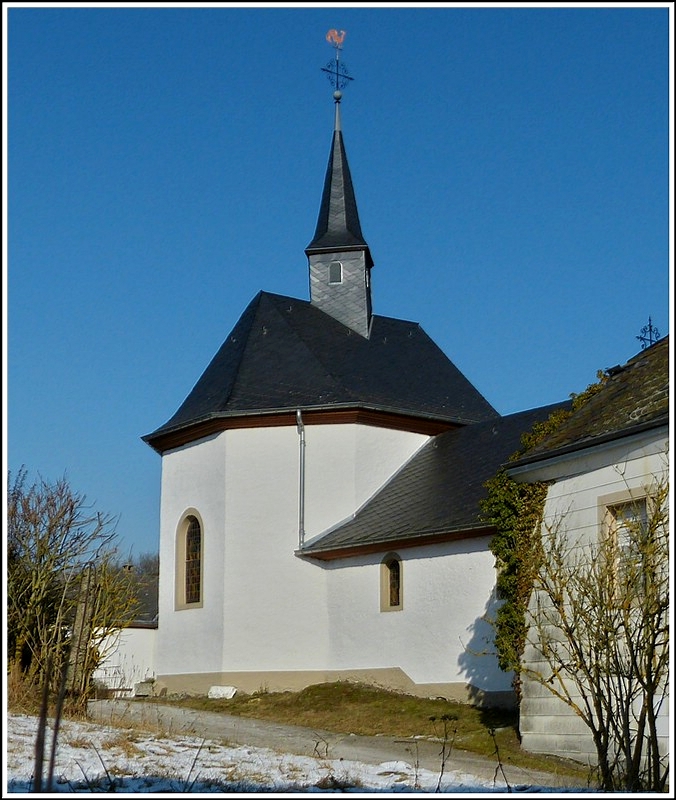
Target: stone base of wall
x=393 y=679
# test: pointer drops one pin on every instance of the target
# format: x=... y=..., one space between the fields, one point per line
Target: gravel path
x=309 y=742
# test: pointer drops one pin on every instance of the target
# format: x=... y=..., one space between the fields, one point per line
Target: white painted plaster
x=193 y=477
x=439 y=635
x=129 y=656
x=265 y=609
x=275 y=611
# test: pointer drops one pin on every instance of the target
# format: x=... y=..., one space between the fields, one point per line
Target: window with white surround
x=626 y=524
x=335 y=272
x=627 y=519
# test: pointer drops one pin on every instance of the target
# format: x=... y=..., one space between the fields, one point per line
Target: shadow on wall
x=479 y=663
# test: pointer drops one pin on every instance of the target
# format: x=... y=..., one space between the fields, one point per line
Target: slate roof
x=148 y=603
x=634 y=398
x=285 y=354
x=338 y=226
x=145 y=585
x=438 y=491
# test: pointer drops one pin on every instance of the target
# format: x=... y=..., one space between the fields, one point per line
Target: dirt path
x=173 y=720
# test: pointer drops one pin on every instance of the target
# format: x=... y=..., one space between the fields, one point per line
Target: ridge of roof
x=214 y=390
x=226 y=361
x=634 y=398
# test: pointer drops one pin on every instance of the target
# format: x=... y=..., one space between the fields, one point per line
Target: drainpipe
x=301 y=480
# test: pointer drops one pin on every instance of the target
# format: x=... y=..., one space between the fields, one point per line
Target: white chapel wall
x=193 y=477
x=264 y=609
x=346 y=465
x=440 y=637
x=275 y=611
x=287 y=624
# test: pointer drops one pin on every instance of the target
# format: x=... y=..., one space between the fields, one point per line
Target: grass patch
x=24 y=696
x=346 y=707
x=124 y=741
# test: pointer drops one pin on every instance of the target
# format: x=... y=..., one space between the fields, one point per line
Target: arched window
x=395 y=582
x=193 y=561
x=391 y=587
x=189 y=563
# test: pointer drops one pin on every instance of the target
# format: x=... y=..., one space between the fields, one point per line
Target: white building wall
x=129 y=657
x=275 y=610
x=440 y=634
x=193 y=478
x=346 y=465
x=584 y=482
x=264 y=609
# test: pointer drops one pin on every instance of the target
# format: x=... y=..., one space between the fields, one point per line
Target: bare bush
x=65 y=591
x=599 y=637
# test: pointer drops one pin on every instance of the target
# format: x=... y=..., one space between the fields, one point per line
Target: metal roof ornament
x=335 y=70
x=649 y=335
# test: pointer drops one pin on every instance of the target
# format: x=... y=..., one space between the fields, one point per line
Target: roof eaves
x=419 y=538
x=520 y=465
x=144 y=624
x=262 y=412
x=319 y=249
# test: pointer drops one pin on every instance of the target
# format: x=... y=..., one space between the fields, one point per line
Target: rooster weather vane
x=335 y=70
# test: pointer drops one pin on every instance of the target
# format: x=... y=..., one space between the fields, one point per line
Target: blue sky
x=511 y=167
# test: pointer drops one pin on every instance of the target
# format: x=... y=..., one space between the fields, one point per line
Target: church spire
x=338 y=223
x=339 y=257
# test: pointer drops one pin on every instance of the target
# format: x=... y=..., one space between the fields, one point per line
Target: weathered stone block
x=144 y=689
x=225 y=692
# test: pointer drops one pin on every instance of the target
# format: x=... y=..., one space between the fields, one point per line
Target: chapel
x=320 y=499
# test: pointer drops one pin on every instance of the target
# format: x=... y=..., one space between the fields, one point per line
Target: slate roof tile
x=635 y=397
x=338 y=224
x=285 y=353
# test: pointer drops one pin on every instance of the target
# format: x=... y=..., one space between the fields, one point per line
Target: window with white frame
x=335 y=272
x=626 y=525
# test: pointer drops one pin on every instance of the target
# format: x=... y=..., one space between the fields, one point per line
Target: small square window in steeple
x=335 y=272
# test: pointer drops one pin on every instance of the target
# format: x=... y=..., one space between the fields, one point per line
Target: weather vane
x=336 y=71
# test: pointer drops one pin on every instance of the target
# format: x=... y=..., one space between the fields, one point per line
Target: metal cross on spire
x=335 y=70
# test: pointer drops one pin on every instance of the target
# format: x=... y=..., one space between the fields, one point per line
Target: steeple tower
x=339 y=258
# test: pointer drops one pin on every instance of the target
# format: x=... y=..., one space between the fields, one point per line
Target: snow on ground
x=99 y=759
